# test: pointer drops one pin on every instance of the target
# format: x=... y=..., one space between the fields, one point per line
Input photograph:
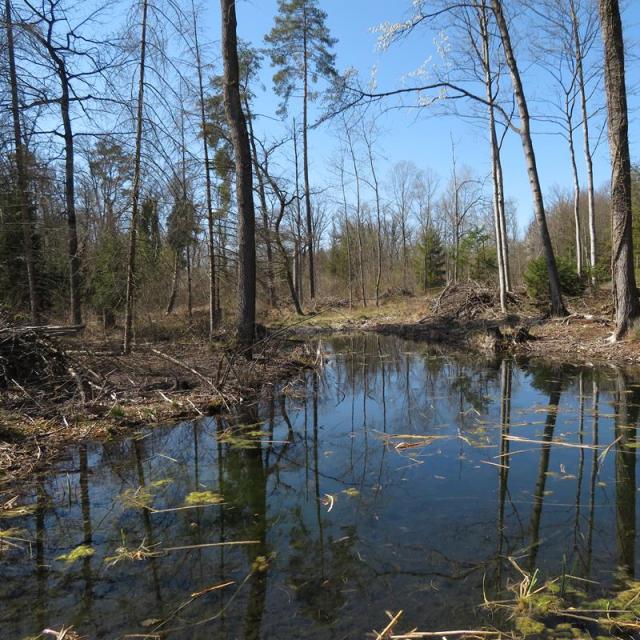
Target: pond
x=397 y=477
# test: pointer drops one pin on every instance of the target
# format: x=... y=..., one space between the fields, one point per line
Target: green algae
x=79 y=553
x=196 y=498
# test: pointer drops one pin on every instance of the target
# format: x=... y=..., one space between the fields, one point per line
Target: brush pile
x=469 y=301
x=31 y=360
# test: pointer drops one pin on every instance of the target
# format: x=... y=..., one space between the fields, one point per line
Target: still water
x=396 y=478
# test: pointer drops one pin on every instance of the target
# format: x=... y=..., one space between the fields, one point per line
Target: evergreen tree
x=300 y=49
x=431 y=264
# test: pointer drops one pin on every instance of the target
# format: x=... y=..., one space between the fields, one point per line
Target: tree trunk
x=569 y=103
x=207 y=176
x=244 y=178
x=135 y=190
x=69 y=181
x=587 y=145
x=174 y=284
x=557 y=304
x=356 y=173
x=305 y=161
x=189 y=284
x=287 y=267
x=625 y=296
x=347 y=234
x=21 y=168
x=376 y=190
x=503 y=219
x=264 y=210
x=495 y=153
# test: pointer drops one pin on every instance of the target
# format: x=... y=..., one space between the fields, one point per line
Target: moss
x=202 y=497
x=529 y=627
x=544 y=603
x=83 y=551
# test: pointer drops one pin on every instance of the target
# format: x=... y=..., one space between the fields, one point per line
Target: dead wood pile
x=469 y=301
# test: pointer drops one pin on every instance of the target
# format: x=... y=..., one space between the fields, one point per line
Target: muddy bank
x=56 y=391
x=468 y=317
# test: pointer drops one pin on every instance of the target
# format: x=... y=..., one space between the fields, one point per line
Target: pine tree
x=431 y=253
x=300 y=48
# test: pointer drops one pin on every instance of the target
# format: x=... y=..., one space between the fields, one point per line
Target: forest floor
x=468 y=316
x=57 y=391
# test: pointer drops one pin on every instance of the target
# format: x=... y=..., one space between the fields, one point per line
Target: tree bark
x=625 y=296
x=557 y=304
x=135 y=190
x=244 y=178
x=21 y=169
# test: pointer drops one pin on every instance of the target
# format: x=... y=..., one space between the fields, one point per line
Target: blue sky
x=424 y=137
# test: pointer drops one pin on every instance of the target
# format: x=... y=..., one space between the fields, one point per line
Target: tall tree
x=244 y=176
x=557 y=304
x=65 y=47
x=207 y=176
x=300 y=48
x=135 y=189
x=21 y=167
x=625 y=294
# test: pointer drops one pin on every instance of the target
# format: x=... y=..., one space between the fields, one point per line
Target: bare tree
x=207 y=177
x=21 y=168
x=557 y=304
x=135 y=188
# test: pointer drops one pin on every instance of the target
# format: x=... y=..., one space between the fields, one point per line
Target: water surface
x=397 y=477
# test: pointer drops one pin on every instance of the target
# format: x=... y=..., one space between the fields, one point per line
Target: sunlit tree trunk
x=244 y=179
x=495 y=153
x=557 y=304
x=625 y=295
x=586 y=142
x=568 y=107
